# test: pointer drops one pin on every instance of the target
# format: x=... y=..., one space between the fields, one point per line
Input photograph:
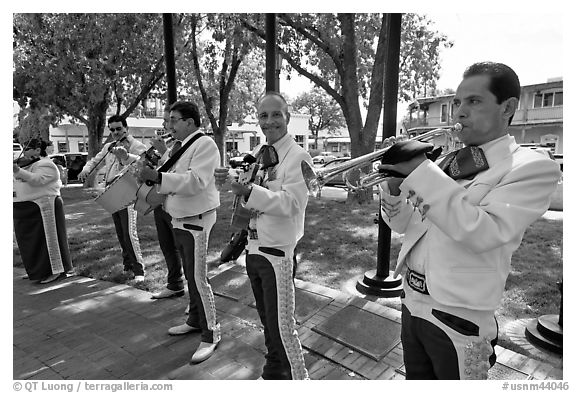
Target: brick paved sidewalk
x=81 y=328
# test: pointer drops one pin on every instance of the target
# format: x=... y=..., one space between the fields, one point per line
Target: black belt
x=199 y=216
x=417 y=281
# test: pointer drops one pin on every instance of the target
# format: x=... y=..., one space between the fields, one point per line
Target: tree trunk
x=96 y=123
x=362 y=137
x=219 y=137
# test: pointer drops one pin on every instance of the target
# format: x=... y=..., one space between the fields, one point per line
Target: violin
x=113 y=144
x=25 y=161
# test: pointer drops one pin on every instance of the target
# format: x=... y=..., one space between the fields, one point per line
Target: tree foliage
x=324 y=112
x=419 y=65
x=78 y=65
x=344 y=54
x=214 y=71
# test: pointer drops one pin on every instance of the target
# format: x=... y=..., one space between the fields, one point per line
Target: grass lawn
x=340 y=245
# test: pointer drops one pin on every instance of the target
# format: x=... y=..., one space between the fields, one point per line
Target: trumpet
x=350 y=170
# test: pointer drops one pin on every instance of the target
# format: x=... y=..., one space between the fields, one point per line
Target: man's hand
x=241 y=189
x=82 y=176
x=159 y=144
x=120 y=152
x=221 y=176
x=147 y=173
x=404 y=167
x=15 y=168
x=393 y=139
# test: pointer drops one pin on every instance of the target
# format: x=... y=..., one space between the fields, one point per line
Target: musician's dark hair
x=504 y=82
x=118 y=119
x=37 y=144
x=188 y=110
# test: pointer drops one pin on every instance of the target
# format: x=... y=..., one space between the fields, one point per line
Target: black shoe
x=53 y=278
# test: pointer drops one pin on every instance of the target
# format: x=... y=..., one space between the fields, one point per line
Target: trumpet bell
x=351 y=170
x=311 y=178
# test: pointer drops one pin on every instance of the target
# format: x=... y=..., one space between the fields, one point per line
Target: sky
x=530 y=43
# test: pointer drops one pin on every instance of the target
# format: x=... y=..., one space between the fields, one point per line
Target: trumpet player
x=116 y=155
x=462 y=220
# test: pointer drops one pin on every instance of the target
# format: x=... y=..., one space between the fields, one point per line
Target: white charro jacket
x=111 y=163
x=42 y=178
x=190 y=183
x=281 y=205
x=472 y=227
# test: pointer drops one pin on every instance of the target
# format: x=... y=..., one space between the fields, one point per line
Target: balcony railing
x=430 y=121
x=538 y=114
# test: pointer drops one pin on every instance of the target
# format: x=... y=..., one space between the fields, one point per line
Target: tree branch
x=207 y=102
x=377 y=79
x=302 y=71
x=300 y=28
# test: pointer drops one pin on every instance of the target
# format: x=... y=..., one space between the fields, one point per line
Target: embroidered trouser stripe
x=47 y=206
x=443 y=342
x=283 y=271
x=133 y=233
x=200 y=229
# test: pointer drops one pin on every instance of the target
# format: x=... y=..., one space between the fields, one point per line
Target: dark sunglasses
x=116 y=129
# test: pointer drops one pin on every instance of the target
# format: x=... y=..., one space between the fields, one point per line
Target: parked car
x=323 y=159
x=75 y=162
x=235 y=162
x=16 y=150
x=61 y=162
x=560 y=160
x=336 y=180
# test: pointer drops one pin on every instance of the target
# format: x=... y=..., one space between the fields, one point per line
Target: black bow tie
x=464 y=163
x=267 y=157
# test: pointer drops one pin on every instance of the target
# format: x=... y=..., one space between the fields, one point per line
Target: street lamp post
x=379 y=282
x=272 y=61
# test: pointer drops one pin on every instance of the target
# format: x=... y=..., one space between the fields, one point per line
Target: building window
x=82 y=147
x=62 y=147
x=444 y=113
x=299 y=140
x=542 y=100
x=547 y=99
x=254 y=141
x=558 y=98
x=335 y=148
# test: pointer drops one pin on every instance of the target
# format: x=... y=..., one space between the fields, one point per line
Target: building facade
x=538 y=120
x=73 y=138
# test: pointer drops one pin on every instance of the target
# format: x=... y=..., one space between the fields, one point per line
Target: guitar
x=240 y=215
x=252 y=172
x=147 y=198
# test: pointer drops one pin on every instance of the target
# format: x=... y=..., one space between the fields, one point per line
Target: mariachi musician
x=39 y=222
x=125 y=150
x=462 y=220
x=191 y=201
x=278 y=205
